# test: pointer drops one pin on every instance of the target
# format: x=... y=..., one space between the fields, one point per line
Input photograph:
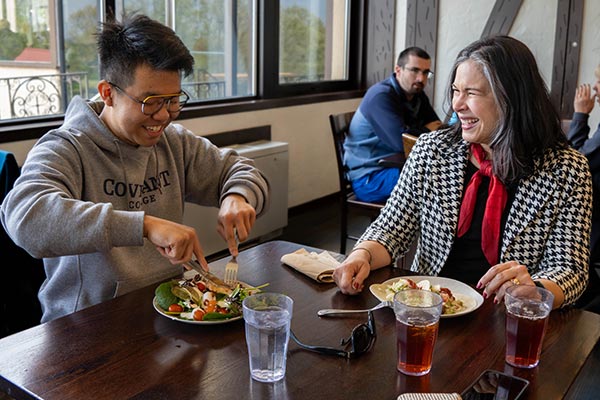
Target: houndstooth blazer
x=548 y=225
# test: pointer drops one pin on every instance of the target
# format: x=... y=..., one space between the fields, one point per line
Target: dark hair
x=411 y=51
x=528 y=122
x=137 y=41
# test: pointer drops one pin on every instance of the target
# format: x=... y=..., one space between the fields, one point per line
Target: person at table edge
x=580 y=140
x=391 y=107
x=527 y=222
x=101 y=198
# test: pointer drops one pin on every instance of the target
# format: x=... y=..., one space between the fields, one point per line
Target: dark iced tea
x=415 y=347
x=524 y=336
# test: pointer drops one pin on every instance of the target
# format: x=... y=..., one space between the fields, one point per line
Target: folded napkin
x=318 y=266
x=429 y=396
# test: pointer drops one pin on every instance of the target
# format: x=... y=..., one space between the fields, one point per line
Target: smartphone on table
x=495 y=385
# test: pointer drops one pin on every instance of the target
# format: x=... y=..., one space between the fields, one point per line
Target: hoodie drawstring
x=158 y=182
x=116 y=142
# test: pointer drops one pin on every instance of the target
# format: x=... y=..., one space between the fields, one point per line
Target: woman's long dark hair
x=528 y=122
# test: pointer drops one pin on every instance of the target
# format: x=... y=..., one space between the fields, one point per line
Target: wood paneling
x=565 y=67
x=379 y=51
x=421 y=31
x=501 y=18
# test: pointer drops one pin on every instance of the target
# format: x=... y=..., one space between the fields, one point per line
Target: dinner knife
x=208 y=276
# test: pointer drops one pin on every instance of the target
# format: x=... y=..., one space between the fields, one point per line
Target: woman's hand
x=502 y=276
x=350 y=274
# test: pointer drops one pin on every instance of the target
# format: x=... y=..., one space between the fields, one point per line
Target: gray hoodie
x=82 y=195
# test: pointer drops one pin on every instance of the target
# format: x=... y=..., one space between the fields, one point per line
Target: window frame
x=53 y=44
x=270 y=94
x=268 y=79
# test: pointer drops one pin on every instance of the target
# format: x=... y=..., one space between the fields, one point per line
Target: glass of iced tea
x=527 y=311
x=417 y=320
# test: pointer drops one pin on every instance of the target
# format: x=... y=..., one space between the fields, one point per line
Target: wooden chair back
x=408 y=141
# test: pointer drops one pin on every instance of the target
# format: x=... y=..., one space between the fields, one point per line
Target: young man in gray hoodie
x=101 y=198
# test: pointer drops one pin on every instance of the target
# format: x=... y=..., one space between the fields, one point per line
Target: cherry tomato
x=201 y=286
x=198 y=314
x=211 y=306
x=175 y=308
x=222 y=310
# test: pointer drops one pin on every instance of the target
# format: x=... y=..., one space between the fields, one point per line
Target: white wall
x=460 y=22
x=313 y=168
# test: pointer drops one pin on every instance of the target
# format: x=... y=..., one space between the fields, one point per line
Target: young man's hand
x=235 y=216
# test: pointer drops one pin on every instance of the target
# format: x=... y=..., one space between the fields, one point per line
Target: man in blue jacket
x=391 y=107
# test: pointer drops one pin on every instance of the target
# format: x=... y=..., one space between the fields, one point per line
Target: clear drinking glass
x=527 y=311
x=417 y=321
x=268 y=317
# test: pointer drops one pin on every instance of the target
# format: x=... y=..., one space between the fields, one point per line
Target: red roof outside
x=31 y=54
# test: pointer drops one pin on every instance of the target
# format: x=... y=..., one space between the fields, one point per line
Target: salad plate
x=189 y=321
x=192 y=292
x=470 y=298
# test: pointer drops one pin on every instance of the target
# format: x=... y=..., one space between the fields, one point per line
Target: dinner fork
x=231 y=268
x=329 y=311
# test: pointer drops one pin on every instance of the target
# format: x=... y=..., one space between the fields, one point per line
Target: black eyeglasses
x=153 y=104
x=360 y=341
x=416 y=71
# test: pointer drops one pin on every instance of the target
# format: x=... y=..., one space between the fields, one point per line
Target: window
x=25 y=32
x=41 y=74
x=251 y=49
x=310 y=46
x=221 y=35
x=308 y=49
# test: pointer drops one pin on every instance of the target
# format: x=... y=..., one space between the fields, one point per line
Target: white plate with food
x=194 y=300
x=176 y=317
x=466 y=299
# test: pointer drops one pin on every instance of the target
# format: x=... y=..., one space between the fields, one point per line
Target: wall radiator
x=272 y=159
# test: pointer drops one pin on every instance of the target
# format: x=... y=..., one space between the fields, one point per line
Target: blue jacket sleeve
x=578 y=135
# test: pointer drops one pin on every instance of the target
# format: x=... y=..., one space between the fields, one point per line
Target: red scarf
x=496 y=201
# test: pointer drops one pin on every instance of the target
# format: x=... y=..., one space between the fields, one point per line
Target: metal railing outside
x=30 y=96
x=39 y=95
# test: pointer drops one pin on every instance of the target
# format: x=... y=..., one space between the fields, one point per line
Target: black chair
x=348 y=201
x=23 y=275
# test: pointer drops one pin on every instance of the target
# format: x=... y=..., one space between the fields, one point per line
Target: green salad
x=191 y=299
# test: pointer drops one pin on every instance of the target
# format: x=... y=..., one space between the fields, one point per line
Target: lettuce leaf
x=215 y=316
x=164 y=296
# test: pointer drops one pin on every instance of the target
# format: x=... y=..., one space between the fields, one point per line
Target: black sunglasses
x=360 y=341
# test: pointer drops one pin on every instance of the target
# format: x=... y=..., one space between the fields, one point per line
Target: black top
x=466 y=262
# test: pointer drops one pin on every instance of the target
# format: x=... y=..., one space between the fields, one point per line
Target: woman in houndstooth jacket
x=496 y=200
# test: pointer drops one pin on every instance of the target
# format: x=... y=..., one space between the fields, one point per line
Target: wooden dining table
x=124 y=349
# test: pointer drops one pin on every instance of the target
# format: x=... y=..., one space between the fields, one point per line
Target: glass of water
x=268 y=317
